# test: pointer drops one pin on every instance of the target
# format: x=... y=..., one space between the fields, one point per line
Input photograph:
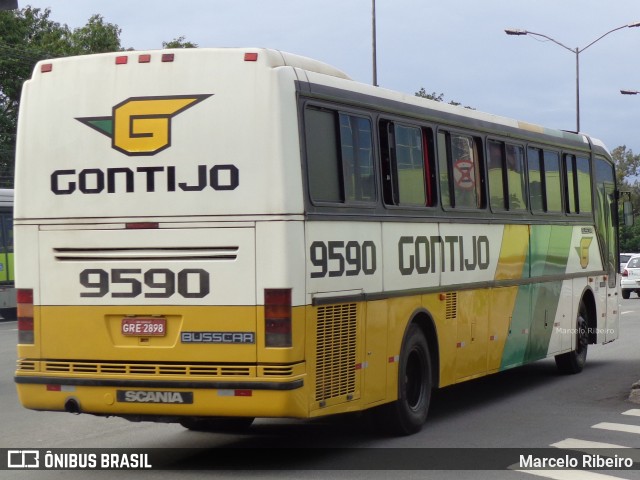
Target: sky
x=458 y=48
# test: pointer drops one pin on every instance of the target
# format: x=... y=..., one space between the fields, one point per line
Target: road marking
x=569 y=474
x=618 y=427
x=633 y=411
x=580 y=445
x=589 y=447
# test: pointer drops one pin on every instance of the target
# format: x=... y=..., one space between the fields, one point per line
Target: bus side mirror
x=627 y=210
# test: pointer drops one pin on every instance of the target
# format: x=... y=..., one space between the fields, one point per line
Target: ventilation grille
x=26 y=365
x=159 y=370
x=137 y=254
x=336 y=351
x=451 y=307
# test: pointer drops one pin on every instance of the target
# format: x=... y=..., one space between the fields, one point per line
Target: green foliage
x=179 y=42
x=438 y=97
x=27 y=36
x=627 y=171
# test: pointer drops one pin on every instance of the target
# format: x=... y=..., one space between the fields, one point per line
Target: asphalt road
x=527 y=408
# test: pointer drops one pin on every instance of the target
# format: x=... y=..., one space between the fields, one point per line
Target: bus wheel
x=573 y=362
x=217 y=424
x=409 y=412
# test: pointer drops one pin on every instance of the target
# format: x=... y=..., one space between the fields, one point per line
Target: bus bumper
x=153 y=398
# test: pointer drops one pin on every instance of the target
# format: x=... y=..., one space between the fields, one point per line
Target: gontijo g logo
x=142 y=125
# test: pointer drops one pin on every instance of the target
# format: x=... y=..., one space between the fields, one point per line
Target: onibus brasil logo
x=142 y=125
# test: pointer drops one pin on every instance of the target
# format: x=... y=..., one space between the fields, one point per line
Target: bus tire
x=574 y=361
x=217 y=424
x=408 y=413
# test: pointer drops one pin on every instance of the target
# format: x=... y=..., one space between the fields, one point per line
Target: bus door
x=606 y=223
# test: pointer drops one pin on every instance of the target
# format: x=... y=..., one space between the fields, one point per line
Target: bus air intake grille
x=147 y=369
x=26 y=366
x=336 y=351
x=451 y=307
x=285 y=371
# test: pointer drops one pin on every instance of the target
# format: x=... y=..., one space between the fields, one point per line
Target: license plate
x=144 y=326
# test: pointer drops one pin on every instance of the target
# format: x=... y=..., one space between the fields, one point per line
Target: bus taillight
x=277 y=317
x=25 y=315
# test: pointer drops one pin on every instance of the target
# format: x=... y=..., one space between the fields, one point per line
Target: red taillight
x=46 y=67
x=625 y=273
x=25 y=316
x=168 y=57
x=144 y=58
x=277 y=317
x=122 y=60
x=251 y=57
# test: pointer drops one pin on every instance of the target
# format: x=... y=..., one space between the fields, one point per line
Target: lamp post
x=629 y=92
x=576 y=51
x=373 y=40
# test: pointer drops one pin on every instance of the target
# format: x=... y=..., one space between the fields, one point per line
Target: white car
x=624 y=258
x=630 y=280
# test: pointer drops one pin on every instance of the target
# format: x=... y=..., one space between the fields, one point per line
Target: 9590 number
x=153 y=283
x=338 y=258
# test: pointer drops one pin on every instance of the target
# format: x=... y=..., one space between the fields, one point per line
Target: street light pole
x=373 y=35
x=577 y=51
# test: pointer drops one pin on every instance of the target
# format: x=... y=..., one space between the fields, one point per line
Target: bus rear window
x=339 y=157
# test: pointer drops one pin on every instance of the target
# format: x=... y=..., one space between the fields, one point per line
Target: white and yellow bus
x=208 y=236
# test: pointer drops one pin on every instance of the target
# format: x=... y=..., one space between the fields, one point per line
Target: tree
x=627 y=171
x=179 y=42
x=27 y=36
x=438 y=97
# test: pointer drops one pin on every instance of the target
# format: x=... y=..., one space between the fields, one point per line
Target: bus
x=209 y=236
x=7 y=288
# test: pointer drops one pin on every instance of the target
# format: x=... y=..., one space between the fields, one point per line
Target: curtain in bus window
x=515 y=177
x=357 y=158
x=495 y=164
x=323 y=162
x=410 y=166
x=552 y=185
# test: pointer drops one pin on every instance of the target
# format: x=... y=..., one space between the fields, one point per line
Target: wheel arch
x=424 y=320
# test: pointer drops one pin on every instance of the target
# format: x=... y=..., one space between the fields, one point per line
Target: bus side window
x=583 y=183
x=443 y=169
x=460 y=167
x=323 y=160
x=405 y=164
x=339 y=150
x=516 y=183
x=553 y=189
x=495 y=163
x=536 y=187
x=570 y=189
x=357 y=158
